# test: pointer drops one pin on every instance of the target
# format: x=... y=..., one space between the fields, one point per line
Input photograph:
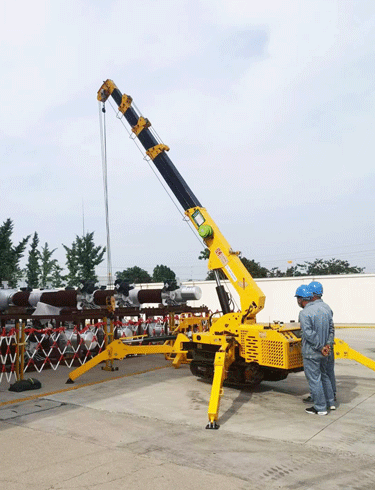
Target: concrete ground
x=142 y=427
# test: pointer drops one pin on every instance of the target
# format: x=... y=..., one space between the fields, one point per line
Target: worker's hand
x=326 y=350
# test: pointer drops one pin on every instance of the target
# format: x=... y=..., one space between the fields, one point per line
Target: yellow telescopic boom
x=222 y=257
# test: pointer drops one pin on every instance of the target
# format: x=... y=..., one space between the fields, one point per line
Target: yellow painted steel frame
x=223 y=359
x=200 y=322
x=185 y=324
x=126 y=102
x=118 y=349
x=156 y=150
x=106 y=90
x=141 y=125
x=344 y=351
x=224 y=258
x=277 y=346
x=265 y=345
x=270 y=346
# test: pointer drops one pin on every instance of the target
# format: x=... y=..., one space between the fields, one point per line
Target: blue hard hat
x=303 y=292
x=316 y=288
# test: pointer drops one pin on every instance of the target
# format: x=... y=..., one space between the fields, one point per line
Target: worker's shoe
x=332 y=407
x=308 y=399
x=314 y=411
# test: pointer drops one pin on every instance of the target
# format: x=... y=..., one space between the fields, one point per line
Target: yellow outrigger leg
x=223 y=359
x=118 y=349
x=344 y=351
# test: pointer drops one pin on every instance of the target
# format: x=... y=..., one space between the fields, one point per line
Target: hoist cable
x=103 y=139
x=141 y=149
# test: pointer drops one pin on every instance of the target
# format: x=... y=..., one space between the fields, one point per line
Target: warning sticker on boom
x=231 y=273
x=243 y=284
x=221 y=256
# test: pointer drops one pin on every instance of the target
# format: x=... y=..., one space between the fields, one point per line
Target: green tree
x=57 y=279
x=320 y=267
x=47 y=265
x=10 y=255
x=255 y=269
x=211 y=275
x=134 y=275
x=276 y=272
x=72 y=277
x=32 y=269
x=294 y=270
x=82 y=258
x=162 y=273
x=204 y=254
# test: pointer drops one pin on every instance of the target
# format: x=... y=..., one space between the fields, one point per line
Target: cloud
x=268 y=108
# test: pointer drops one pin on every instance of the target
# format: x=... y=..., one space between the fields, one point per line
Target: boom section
x=155 y=150
x=222 y=256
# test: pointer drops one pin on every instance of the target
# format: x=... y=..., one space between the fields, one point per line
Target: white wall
x=351 y=297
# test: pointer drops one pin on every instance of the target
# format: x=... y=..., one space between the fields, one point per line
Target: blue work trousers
x=331 y=370
x=319 y=383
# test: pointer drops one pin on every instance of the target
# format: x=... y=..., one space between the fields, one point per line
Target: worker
x=317 y=290
x=317 y=334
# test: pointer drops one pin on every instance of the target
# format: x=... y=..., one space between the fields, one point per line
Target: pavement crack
x=338 y=418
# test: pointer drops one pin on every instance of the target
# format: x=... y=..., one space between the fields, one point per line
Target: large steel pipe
x=58 y=298
x=6 y=297
x=70 y=298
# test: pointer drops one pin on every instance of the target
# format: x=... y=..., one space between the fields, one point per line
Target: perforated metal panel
x=249 y=347
x=273 y=353
x=283 y=351
x=295 y=355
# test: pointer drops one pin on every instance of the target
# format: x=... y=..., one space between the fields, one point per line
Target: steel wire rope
x=103 y=139
x=141 y=149
x=131 y=136
x=152 y=130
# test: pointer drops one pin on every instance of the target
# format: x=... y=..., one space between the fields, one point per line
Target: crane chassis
x=235 y=348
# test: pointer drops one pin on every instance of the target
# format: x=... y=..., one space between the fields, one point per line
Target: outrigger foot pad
x=212 y=425
x=69 y=381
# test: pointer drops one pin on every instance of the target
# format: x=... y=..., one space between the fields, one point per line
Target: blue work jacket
x=327 y=307
x=317 y=328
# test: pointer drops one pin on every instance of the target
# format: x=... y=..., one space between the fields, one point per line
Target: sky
x=268 y=109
